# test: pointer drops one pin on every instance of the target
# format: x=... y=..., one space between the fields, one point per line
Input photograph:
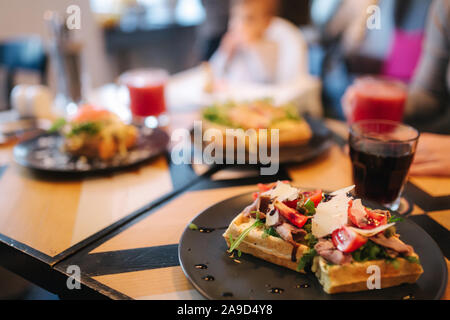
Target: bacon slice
x=284 y=231
x=247 y=211
x=290 y=233
x=393 y=243
x=328 y=251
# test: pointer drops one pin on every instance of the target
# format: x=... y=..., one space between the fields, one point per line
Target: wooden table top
x=92 y=222
x=51 y=217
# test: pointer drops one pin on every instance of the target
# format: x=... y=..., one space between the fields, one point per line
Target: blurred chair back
x=24 y=53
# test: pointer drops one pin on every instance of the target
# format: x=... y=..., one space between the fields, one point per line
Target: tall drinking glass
x=147 y=95
x=381 y=152
x=375 y=98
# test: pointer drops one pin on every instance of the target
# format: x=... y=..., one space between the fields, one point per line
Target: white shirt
x=280 y=57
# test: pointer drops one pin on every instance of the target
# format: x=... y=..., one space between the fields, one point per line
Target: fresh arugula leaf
x=258 y=223
x=90 y=128
x=193 y=226
x=218 y=114
x=309 y=206
x=412 y=259
x=306 y=259
x=394 y=219
x=389 y=232
x=311 y=240
x=57 y=125
x=369 y=251
x=270 y=232
x=308 y=226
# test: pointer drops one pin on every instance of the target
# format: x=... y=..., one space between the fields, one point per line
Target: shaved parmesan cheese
x=343 y=190
x=272 y=220
x=283 y=191
x=358 y=210
x=332 y=214
x=371 y=232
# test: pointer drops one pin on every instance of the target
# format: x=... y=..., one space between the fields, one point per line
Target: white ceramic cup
x=32 y=101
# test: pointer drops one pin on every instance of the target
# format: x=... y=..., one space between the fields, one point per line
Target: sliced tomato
x=347 y=240
x=315 y=196
x=91 y=113
x=292 y=215
x=357 y=215
x=377 y=218
x=291 y=203
x=364 y=218
x=266 y=187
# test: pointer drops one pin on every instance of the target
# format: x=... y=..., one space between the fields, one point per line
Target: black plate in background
x=43 y=153
x=254 y=278
x=317 y=145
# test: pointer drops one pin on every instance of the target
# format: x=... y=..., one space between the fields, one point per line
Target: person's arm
x=431 y=157
x=428 y=93
x=261 y=59
x=218 y=63
x=222 y=57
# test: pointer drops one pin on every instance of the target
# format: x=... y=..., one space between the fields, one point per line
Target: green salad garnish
x=219 y=113
x=57 y=125
x=394 y=219
x=370 y=251
x=89 y=128
x=412 y=259
x=235 y=243
x=306 y=259
x=193 y=226
x=270 y=231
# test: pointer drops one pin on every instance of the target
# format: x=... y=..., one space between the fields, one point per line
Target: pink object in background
x=405 y=53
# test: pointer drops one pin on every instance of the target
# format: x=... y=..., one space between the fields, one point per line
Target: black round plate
x=318 y=144
x=43 y=153
x=254 y=278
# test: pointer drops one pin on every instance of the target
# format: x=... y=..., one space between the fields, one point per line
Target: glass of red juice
x=146 y=89
x=381 y=152
x=375 y=98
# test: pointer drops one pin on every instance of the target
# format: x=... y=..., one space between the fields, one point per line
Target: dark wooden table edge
x=22 y=259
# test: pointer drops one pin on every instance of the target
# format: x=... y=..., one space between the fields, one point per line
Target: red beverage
x=147 y=100
x=374 y=99
x=146 y=88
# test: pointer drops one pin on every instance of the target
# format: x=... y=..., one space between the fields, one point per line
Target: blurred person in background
x=428 y=107
x=258 y=44
x=392 y=49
